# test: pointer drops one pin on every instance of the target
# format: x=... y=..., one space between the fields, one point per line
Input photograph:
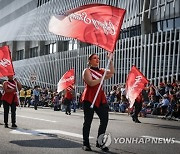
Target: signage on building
x=33 y=77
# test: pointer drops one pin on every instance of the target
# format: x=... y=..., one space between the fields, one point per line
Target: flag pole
x=95 y=97
x=76 y=72
x=17 y=93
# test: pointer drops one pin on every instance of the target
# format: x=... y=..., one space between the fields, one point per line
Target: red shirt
x=139 y=98
x=10 y=97
x=90 y=91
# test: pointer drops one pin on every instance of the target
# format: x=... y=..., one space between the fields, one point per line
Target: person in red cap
x=10 y=99
x=92 y=77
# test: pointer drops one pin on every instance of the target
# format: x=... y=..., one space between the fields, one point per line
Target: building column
x=146 y=23
x=26 y=49
x=12 y=48
x=41 y=48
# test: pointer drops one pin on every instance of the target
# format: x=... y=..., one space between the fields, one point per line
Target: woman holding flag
x=92 y=77
x=93 y=96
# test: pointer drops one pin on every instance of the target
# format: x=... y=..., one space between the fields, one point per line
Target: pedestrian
x=28 y=96
x=137 y=108
x=92 y=77
x=10 y=99
x=22 y=97
x=36 y=95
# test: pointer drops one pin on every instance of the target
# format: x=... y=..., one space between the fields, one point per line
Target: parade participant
x=1 y=91
x=137 y=108
x=10 y=99
x=0 y=98
x=92 y=77
x=68 y=97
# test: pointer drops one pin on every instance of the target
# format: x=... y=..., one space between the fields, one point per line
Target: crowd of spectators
x=161 y=100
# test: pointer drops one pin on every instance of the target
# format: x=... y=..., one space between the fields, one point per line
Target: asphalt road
x=45 y=131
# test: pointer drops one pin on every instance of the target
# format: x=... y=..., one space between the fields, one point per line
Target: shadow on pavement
x=109 y=152
x=54 y=143
x=47 y=143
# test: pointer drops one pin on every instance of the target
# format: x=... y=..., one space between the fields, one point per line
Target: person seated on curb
x=123 y=104
x=172 y=107
x=163 y=105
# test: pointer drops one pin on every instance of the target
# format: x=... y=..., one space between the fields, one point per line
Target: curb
x=147 y=116
x=162 y=117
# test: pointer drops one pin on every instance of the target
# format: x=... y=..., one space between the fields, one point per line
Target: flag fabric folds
x=97 y=24
x=135 y=83
x=66 y=81
x=6 y=67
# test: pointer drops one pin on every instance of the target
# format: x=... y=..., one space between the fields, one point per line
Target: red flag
x=66 y=81
x=135 y=83
x=97 y=24
x=6 y=67
x=70 y=88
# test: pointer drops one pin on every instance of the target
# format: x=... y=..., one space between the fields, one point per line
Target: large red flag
x=66 y=81
x=97 y=24
x=6 y=67
x=135 y=83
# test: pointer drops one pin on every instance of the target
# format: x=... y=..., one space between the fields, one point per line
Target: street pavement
x=45 y=131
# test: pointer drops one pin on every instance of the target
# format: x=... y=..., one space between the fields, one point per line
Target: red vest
x=90 y=91
x=68 y=95
x=10 y=97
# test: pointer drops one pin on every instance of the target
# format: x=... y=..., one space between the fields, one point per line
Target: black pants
x=28 y=101
x=137 y=109
x=36 y=101
x=103 y=115
x=6 y=112
x=68 y=107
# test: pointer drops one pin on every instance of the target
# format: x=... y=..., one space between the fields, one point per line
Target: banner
x=66 y=81
x=135 y=83
x=6 y=67
x=97 y=24
x=33 y=77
